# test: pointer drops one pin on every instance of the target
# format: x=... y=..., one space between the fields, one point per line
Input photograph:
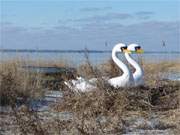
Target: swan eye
x=137 y=47
x=122 y=48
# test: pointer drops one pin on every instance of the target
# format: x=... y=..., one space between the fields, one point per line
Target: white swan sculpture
x=125 y=80
x=138 y=74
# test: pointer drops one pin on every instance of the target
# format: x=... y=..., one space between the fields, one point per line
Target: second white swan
x=138 y=74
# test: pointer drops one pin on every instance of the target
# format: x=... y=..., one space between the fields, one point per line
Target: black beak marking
x=122 y=48
x=137 y=48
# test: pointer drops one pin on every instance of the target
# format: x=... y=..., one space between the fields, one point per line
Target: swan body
x=138 y=74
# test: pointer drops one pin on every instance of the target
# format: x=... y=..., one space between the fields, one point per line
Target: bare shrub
x=15 y=83
x=89 y=109
x=103 y=111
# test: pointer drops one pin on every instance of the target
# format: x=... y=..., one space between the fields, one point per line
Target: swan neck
x=120 y=64
x=134 y=64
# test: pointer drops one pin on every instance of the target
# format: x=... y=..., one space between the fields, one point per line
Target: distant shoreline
x=76 y=51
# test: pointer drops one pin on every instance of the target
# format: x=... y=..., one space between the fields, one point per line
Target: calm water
x=76 y=58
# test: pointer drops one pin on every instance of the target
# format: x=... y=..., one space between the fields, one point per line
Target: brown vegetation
x=16 y=83
x=103 y=111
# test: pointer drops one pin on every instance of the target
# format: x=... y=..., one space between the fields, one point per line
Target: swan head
x=134 y=48
x=120 y=47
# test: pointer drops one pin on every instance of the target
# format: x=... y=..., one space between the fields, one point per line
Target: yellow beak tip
x=140 y=51
x=127 y=51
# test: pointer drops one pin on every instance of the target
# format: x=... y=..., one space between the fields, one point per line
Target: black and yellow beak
x=127 y=51
x=139 y=51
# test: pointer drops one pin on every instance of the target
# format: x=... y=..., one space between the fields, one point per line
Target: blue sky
x=52 y=24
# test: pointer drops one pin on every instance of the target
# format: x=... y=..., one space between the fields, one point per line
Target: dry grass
x=153 y=71
x=16 y=83
x=104 y=111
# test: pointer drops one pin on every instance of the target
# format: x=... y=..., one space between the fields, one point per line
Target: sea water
x=77 y=58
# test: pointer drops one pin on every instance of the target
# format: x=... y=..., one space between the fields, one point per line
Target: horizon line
x=71 y=51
